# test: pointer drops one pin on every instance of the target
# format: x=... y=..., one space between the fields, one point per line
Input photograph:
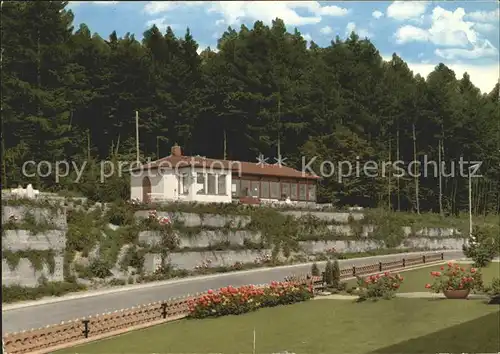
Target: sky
x=464 y=35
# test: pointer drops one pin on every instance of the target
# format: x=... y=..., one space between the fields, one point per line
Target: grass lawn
x=415 y=280
x=326 y=326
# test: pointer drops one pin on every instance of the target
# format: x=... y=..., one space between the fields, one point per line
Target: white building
x=198 y=179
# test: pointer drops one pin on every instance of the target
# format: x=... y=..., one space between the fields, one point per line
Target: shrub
x=455 y=277
x=336 y=274
x=378 y=286
x=494 y=288
x=236 y=301
x=120 y=213
x=314 y=270
x=483 y=246
x=16 y=293
x=328 y=275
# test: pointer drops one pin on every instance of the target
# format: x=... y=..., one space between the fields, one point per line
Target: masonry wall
x=20 y=243
x=198 y=248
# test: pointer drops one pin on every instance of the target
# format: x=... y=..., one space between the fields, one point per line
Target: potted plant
x=454 y=281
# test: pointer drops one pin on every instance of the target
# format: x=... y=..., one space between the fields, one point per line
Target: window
x=256 y=189
x=312 y=192
x=200 y=183
x=221 y=185
x=211 y=183
x=293 y=191
x=264 y=189
x=302 y=191
x=235 y=189
x=245 y=188
x=185 y=184
x=285 y=190
x=275 y=190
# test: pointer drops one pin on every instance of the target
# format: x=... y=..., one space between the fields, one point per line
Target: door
x=146 y=190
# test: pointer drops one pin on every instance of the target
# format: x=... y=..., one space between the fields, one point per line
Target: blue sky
x=462 y=34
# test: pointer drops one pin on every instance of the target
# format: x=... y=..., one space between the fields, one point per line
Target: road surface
x=18 y=317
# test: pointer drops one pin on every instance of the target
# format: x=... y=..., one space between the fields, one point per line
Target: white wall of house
x=204 y=189
x=168 y=186
x=135 y=187
x=158 y=185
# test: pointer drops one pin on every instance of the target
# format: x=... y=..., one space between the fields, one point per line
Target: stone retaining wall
x=22 y=240
x=25 y=275
x=192 y=260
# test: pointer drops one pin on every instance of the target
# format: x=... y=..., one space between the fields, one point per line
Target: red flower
x=442 y=268
x=473 y=270
x=210 y=291
x=427 y=286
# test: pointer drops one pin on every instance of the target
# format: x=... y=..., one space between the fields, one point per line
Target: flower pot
x=456 y=294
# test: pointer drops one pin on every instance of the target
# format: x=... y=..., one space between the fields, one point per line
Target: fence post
x=404 y=262
x=380 y=266
x=164 y=310
x=423 y=258
x=442 y=256
x=353 y=271
x=85 y=328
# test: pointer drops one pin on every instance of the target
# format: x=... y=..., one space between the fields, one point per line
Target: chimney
x=176 y=150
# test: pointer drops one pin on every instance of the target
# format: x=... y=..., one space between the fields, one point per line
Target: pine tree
x=336 y=274
x=314 y=270
x=328 y=275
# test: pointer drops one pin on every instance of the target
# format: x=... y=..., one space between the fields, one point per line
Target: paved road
x=43 y=313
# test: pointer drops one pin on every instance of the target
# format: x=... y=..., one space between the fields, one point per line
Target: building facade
x=198 y=179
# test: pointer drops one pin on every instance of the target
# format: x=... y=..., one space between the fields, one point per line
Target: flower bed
x=380 y=286
x=455 y=277
x=236 y=301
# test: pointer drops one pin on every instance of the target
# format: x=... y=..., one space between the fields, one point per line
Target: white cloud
x=409 y=33
x=234 y=12
x=326 y=30
x=156 y=7
x=161 y=23
x=377 y=14
x=484 y=77
x=484 y=27
x=485 y=16
x=307 y=37
x=351 y=27
x=405 y=10
x=486 y=49
x=103 y=3
x=448 y=29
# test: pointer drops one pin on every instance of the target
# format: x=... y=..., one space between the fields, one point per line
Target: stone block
x=21 y=240
x=152 y=262
x=332 y=217
x=41 y=215
x=25 y=275
x=190 y=260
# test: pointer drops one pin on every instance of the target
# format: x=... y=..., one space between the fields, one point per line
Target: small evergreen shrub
x=314 y=270
x=336 y=274
x=328 y=275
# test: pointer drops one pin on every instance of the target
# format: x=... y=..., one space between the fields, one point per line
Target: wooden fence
x=49 y=338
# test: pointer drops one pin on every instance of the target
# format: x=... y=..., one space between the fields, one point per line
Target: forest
x=68 y=94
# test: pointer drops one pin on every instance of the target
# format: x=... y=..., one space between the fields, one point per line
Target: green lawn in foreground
x=326 y=326
x=415 y=280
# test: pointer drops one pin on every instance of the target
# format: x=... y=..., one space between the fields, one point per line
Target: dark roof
x=248 y=168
